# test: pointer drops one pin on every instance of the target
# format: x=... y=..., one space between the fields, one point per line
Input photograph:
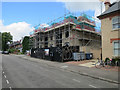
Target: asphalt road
x=20 y=73
x=0 y=71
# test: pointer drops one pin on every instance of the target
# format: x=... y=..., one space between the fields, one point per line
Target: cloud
x=84 y=0
x=75 y=6
x=17 y=30
x=84 y=5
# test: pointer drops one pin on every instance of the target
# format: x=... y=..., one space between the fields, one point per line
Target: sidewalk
x=85 y=63
x=105 y=75
x=91 y=64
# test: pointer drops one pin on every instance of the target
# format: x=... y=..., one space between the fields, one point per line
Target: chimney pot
x=107 y=3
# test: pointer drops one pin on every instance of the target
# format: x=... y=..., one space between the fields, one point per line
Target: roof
x=114 y=7
x=15 y=43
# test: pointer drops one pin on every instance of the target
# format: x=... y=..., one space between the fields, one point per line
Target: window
x=40 y=38
x=67 y=34
x=116 y=48
x=51 y=37
x=116 y=22
x=40 y=46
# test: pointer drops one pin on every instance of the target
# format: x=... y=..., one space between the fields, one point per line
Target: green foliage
x=107 y=59
x=6 y=37
x=20 y=53
x=12 y=50
x=116 y=58
x=25 y=44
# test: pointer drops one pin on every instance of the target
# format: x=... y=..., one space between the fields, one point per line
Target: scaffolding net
x=83 y=22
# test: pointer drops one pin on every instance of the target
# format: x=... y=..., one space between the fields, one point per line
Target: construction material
x=65 y=34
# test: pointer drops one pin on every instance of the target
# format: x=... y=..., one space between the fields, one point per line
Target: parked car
x=1 y=52
x=5 y=52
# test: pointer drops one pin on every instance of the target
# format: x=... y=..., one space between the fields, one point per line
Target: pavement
x=86 y=69
x=20 y=71
x=91 y=64
x=85 y=63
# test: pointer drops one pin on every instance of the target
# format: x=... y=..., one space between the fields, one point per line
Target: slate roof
x=113 y=8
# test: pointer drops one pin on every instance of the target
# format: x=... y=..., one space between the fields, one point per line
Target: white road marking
x=3 y=72
x=5 y=76
x=7 y=81
x=64 y=66
x=10 y=88
x=76 y=80
x=92 y=86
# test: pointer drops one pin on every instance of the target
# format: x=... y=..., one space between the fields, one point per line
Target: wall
x=107 y=34
x=90 y=47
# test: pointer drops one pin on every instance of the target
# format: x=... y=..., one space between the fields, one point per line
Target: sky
x=19 y=18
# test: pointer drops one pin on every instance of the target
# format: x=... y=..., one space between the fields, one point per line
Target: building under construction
x=65 y=36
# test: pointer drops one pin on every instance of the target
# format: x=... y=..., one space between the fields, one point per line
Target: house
x=110 y=26
x=17 y=45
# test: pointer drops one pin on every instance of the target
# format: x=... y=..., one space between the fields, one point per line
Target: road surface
x=21 y=73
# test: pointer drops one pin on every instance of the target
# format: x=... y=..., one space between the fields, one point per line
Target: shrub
x=20 y=53
x=107 y=59
x=12 y=50
x=116 y=59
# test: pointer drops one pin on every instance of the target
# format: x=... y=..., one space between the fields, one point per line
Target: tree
x=25 y=44
x=6 y=38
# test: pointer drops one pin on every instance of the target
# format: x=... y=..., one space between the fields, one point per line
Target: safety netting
x=82 y=22
x=31 y=33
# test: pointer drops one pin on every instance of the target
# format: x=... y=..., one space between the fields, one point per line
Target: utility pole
x=101 y=2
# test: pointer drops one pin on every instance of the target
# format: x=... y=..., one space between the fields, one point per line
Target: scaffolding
x=66 y=32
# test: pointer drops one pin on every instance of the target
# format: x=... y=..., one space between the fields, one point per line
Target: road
x=21 y=73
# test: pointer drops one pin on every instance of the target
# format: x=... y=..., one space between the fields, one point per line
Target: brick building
x=110 y=26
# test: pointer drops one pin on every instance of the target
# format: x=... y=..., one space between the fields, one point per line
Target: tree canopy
x=6 y=38
x=25 y=44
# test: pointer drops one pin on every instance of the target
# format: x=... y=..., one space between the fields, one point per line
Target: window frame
x=117 y=22
x=116 y=41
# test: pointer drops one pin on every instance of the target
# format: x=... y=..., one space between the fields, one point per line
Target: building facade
x=17 y=45
x=78 y=33
x=110 y=26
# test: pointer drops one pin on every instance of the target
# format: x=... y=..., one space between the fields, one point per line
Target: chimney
x=107 y=3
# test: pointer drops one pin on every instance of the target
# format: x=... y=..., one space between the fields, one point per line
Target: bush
x=113 y=62
x=11 y=50
x=20 y=53
x=116 y=59
x=107 y=59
